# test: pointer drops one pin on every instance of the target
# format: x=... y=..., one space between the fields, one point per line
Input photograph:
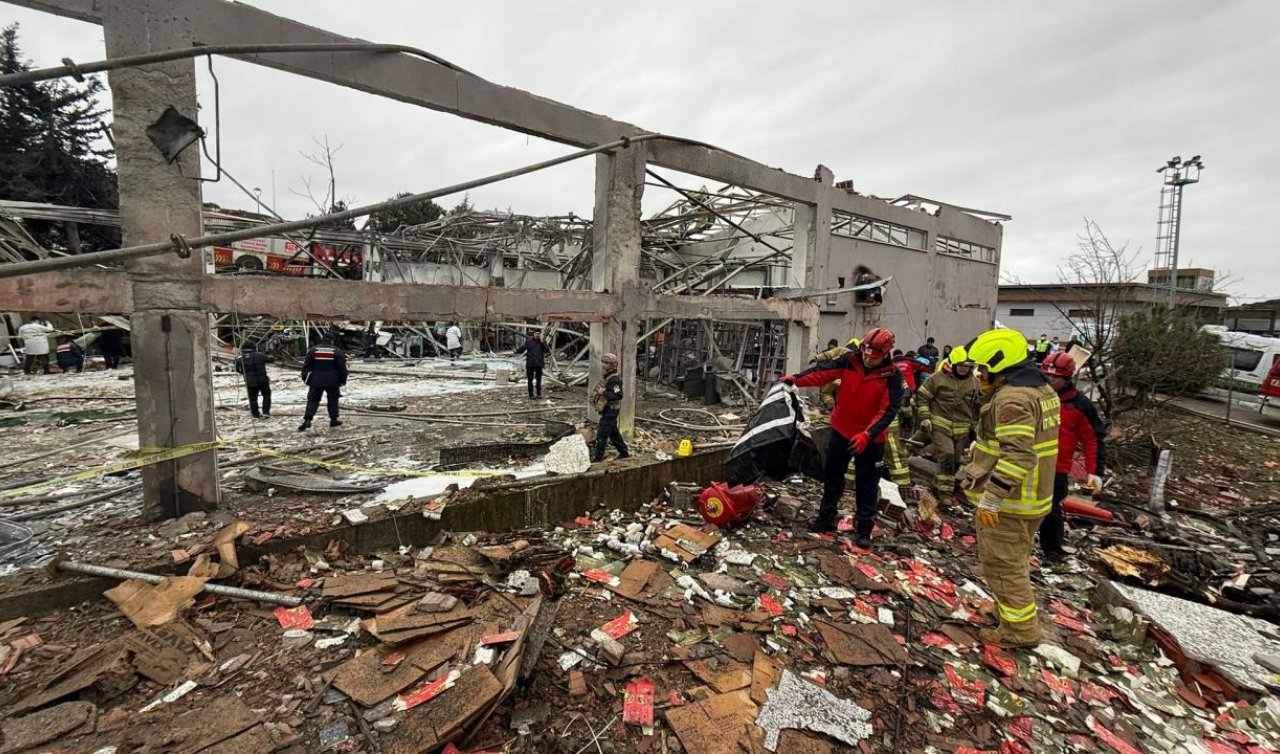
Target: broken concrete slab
x=798 y=704
x=436 y=602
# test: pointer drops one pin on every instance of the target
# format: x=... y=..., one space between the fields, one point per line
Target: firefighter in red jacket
x=1081 y=427
x=869 y=398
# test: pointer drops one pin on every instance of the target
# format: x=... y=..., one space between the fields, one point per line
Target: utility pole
x=1177 y=174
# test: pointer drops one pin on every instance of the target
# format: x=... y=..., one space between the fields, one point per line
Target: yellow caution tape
x=146 y=458
x=149 y=456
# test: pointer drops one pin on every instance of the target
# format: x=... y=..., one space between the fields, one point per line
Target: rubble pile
x=637 y=631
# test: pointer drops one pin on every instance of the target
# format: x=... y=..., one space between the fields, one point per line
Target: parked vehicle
x=1252 y=357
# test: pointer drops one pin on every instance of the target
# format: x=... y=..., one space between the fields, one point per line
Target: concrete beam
x=420 y=82
x=290 y=298
x=88 y=291
x=170 y=333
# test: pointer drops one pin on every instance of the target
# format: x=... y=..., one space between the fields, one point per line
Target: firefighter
x=1010 y=478
x=1081 y=427
x=608 y=403
x=325 y=372
x=870 y=395
x=948 y=405
x=827 y=396
x=895 y=453
x=69 y=355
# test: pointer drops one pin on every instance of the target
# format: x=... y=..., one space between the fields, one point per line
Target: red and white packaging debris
x=637 y=703
x=295 y=617
x=427 y=692
x=771 y=605
x=620 y=626
x=602 y=577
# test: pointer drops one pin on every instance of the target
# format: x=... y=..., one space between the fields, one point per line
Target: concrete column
x=169 y=333
x=615 y=266
x=811 y=248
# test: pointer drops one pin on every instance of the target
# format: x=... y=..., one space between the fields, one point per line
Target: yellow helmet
x=997 y=350
x=854 y=343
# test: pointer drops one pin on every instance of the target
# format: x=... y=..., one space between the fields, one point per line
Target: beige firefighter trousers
x=1005 y=553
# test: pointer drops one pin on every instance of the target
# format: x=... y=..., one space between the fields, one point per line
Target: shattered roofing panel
x=1210 y=635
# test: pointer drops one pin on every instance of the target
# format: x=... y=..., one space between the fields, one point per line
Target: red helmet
x=877 y=343
x=1058 y=364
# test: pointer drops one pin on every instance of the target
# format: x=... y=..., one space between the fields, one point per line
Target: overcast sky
x=1049 y=112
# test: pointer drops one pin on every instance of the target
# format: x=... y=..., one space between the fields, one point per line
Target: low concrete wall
x=529 y=503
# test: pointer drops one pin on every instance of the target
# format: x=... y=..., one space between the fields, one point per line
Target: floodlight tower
x=1169 y=226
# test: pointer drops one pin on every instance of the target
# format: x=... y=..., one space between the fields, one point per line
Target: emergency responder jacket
x=69 y=354
x=1017 y=449
x=868 y=399
x=949 y=401
x=325 y=366
x=1081 y=426
x=831 y=354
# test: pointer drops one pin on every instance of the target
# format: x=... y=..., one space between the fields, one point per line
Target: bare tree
x=323 y=158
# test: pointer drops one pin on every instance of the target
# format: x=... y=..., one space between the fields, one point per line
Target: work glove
x=1094 y=484
x=859 y=443
x=926 y=426
x=788 y=379
x=968 y=452
x=989 y=511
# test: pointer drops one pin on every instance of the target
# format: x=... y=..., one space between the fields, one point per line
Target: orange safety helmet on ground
x=1058 y=364
x=877 y=343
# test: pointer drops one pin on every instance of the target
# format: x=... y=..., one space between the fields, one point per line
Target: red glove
x=859 y=443
x=787 y=379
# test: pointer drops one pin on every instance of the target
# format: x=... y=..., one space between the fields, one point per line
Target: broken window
x=1022 y=312
x=960 y=248
x=880 y=231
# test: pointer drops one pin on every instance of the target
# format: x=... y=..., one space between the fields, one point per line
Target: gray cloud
x=1049 y=112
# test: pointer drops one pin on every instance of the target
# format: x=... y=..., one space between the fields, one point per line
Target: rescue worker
x=1081 y=427
x=869 y=397
x=608 y=403
x=252 y=363
x=70 y=355
x=827 y=395
x=35 y=345
x=1042 y=348
x=1010 y=478
x=895 y=452
x=948 y=406
x=535 y=357
x=325 y=372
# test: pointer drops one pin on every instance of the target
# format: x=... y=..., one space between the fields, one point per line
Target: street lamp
x=257 y=198
x=1169 y=227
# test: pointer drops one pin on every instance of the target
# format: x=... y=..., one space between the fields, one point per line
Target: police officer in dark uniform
x=252 y=363
x=324 y=371
x=608 y=401
x=69 y=355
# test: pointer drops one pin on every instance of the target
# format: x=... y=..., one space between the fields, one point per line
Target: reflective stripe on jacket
x=1017 y=448
x=950 y=402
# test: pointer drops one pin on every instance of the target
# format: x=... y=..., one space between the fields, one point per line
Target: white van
x=1251 y=356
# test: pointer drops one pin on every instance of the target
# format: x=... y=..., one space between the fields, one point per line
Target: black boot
x=305 y=426
x=823 y=524
x=862 y=533
x=335 y=423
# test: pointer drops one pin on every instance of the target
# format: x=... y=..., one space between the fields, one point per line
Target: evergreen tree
x=388 y=220
x=52 y=148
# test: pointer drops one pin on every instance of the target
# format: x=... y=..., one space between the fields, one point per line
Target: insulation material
x=1209 y=635
x=796 y=703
